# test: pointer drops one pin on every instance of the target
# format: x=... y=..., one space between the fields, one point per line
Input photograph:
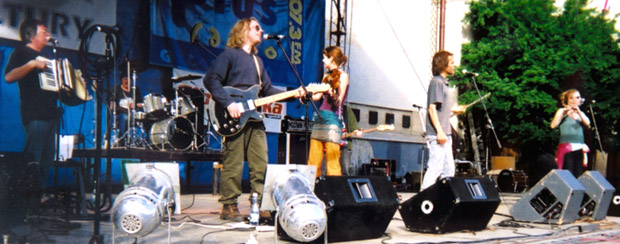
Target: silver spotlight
x=140 y=208
x=301 y=214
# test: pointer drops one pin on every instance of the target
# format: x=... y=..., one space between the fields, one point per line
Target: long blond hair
x=238 y=33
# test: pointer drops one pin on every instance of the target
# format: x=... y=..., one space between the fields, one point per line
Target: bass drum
x=512 y=181
x=173 y=133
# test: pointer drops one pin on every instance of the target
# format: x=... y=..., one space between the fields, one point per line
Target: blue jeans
x=41 y=144
x=440 y=161
x=122 y=123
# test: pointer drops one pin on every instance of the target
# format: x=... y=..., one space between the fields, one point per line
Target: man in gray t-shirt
x=440 y=107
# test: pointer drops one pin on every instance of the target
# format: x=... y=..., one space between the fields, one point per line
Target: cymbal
x=185 y=77
x=190 y=91
x=184 y=86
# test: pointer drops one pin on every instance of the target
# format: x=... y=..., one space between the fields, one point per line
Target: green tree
x=527 y=53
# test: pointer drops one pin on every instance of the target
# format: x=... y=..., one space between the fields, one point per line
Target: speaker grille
x=310 y=231
x=131 y=223
x=543 y=200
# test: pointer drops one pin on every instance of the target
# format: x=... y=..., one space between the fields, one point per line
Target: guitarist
x=327 y=133
x=238 y=66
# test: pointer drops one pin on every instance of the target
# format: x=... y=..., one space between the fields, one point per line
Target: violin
x=332 y=78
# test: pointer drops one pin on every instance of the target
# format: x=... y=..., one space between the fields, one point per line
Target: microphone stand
x=598 y=136
x=307 y=98
x=98 y=204
x=490 y=123
x=59 y=103
x=59 y=110
x=422 y=167
x=598 y=139
x=205 y=48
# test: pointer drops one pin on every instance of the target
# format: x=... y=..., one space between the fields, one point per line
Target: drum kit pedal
x=164 y=125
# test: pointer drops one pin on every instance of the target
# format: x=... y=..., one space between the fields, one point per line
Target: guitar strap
x=260 y=80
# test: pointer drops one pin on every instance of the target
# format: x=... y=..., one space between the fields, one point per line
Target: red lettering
x=277 y=108
x=267 y=108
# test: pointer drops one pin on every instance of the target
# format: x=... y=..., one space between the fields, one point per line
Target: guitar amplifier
x=295 y=125
x=384 y=167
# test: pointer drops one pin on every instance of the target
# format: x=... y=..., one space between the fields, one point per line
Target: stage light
x=300 y=213
x=140 y=208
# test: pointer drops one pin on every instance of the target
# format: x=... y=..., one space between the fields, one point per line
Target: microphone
x=51 y=39
x=273 y=37
x=106 y=28
x=470 y=73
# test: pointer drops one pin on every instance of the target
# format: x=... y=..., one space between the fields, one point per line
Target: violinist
x=572 y=150
x=327 y=132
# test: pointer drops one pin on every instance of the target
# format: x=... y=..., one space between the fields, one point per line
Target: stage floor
x=199 y=223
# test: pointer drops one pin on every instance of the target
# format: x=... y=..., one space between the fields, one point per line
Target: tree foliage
x=527 y=52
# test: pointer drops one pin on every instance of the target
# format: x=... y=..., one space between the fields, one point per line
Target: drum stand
x=176 y=108
x=135 y=138
x=206 y=140
x=131 y=111
x=115 y=139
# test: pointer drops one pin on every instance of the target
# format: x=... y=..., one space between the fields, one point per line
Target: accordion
x=59 y=76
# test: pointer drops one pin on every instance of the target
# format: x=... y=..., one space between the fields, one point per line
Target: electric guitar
x=477 y=100
x=343 y=143
x=378 y=128
x=247 y=101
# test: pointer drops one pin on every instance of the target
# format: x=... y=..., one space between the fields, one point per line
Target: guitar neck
x=350 y=134
x=477 y=100
x=274 y=98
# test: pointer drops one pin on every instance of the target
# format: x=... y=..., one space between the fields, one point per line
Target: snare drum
x=155 y=106
x=512 y=181
x=139 y=115
x=172 y=133
x=182 y=107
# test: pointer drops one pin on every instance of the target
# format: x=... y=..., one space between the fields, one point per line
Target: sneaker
x=266 y=218
x=264 y=214
x=231 y=212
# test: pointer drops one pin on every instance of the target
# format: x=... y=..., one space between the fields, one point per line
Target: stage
x=199 y=223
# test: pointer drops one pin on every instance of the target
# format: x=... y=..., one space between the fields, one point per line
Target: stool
x=217 y=173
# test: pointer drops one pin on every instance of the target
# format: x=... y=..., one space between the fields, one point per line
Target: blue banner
x=302 y=22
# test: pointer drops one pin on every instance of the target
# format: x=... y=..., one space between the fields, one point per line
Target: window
x=356 y=112
x=389 y=118
x=372 y=117
x=406 y=121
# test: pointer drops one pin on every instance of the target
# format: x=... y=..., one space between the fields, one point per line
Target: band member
x=347 y=163
x=124 y=101
x=39 y=110
x=239 y=66
x=327 y=131
x=572 y=151
x=438 y=130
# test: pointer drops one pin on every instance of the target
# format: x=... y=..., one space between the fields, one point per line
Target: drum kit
x=166 y=125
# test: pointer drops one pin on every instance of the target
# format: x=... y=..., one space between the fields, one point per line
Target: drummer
x=123 y=100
